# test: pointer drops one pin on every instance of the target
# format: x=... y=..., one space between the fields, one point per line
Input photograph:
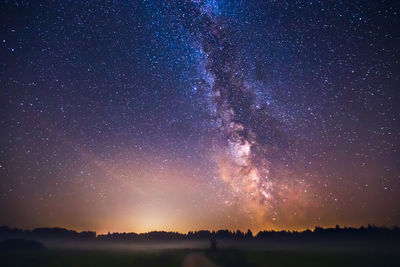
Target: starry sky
x=199 y=114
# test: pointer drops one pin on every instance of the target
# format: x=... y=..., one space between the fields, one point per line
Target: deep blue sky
x=281 y=114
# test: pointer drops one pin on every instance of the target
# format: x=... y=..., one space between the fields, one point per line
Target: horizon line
x=209 y=230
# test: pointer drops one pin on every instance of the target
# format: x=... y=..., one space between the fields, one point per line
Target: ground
x=195 y=258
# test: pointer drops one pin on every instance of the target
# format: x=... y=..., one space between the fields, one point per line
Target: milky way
x=250 y=133
x=186 y=115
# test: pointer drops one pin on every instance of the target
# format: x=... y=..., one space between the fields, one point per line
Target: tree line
x=318 y=233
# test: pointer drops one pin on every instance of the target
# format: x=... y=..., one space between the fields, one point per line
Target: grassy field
x=70 y=257
x=238 y=258
x=98 y=258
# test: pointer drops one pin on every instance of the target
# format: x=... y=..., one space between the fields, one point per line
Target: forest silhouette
x=369 y=233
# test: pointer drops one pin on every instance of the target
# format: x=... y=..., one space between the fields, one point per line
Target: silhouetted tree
x=249 y=234
x=213 y=244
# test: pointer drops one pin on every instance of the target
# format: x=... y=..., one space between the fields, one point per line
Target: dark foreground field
x=192 y=258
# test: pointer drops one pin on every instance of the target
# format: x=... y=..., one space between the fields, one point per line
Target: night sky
x=203 y=114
